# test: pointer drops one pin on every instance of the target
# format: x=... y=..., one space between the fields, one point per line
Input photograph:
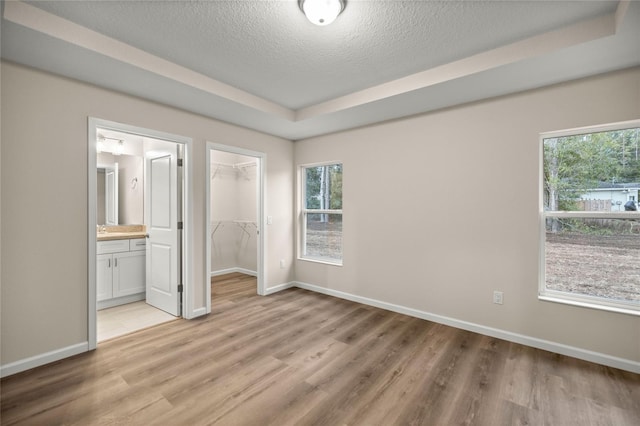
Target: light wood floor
x=125 y=319
x=298 y=357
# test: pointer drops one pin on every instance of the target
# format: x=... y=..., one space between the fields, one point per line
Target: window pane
x=594 y=257
x=323 y=187
x=324 y=236
x=597 y=171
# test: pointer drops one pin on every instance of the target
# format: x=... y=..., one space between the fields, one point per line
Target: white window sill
x=621 y=309
x=321 y=260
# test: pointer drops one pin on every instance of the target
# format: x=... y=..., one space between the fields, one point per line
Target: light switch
x=269 y=220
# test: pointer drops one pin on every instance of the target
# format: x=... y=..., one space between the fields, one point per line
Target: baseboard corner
x=42 y=359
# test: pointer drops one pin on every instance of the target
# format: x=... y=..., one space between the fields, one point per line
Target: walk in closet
x=233 y=236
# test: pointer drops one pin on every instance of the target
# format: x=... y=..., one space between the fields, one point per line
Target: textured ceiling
x=262 y=65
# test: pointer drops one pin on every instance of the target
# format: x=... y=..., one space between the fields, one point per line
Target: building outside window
x=590 y=217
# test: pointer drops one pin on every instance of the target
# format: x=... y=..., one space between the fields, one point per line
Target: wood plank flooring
x=300 y=358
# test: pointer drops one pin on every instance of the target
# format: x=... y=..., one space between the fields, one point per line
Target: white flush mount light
x=116 y=147
x=119 y=148
x=321 y=12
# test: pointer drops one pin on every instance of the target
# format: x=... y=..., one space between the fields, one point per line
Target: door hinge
x=180 y=161
x=180 y=225
x=180 y=288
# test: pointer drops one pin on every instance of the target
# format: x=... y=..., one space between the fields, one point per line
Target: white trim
x=585 y=301
x=232 y=270
x=188 y=232
x=189 y=310
x=324 y=260
x=591 y=302
x=199 y=312
x=42 y=359
x=620 y=125
x=280 y=287
x=591 y=356
x=591 y=215
x=92 y=222
x=302 y=212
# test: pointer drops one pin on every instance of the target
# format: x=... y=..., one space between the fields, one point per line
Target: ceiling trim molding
x=538 y=45
x=63 y=29
x=581 y=32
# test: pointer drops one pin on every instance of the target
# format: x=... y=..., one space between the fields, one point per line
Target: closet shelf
x=240 y=167
x=242 y=224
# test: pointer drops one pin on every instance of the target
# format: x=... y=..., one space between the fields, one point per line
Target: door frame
x=261 y=159
x=188 y=301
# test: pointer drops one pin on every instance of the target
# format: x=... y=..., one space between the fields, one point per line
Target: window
x=321 y=218
x=590 y=217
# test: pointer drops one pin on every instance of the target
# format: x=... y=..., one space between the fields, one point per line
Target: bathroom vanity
x=120 y=266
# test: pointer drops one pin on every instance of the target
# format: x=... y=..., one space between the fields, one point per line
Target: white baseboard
x=42 y=359
x=198 y=313
x=231 y=270
x=596 y=357
x=278 y=288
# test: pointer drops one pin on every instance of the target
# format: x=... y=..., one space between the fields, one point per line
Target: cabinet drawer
x=113 y=246
x=138 y=244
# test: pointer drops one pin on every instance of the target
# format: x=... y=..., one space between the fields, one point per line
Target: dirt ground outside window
x=595 y=265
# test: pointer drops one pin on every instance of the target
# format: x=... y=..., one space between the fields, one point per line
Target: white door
x=161 y=218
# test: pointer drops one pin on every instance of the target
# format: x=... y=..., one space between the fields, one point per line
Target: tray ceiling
x=262 y=65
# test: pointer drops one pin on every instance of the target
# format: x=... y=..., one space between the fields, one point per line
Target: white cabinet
x=128 y=273
x=120 y=272
x=104 y=277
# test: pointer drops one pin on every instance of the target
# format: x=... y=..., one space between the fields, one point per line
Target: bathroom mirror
x=108 y=194
x=120 y=189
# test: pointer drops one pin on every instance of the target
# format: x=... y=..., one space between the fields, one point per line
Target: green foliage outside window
x=324 y=187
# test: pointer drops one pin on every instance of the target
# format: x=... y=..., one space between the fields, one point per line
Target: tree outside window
x=322 y=213
x=591 y=222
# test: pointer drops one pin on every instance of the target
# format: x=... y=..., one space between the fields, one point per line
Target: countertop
x=122 y=232
x=108 y=236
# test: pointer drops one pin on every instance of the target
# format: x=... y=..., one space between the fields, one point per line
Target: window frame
x=587 y=301
x=304 y=212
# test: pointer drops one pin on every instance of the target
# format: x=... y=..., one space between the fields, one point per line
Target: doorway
x=127 y=287
x=235 y=213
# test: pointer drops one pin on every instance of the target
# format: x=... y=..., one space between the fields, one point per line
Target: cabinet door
x=104 y=277
x=128 y=273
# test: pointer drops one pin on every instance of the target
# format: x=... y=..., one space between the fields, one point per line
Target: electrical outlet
x=281 y=263
x=497 y=297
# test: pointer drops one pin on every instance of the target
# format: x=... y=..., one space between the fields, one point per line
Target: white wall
x=233 y=197
x=422 y=228
x=130 y=192
x=44 y=201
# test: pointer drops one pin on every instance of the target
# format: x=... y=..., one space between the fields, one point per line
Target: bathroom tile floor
x=124 y=319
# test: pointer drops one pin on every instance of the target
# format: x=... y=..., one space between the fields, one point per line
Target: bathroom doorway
x=235 y=212
x=139 y=275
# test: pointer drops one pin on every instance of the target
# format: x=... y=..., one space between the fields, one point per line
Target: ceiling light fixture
x=321 y=12
x=119 y=148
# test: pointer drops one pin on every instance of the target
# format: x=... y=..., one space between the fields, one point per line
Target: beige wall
x=44 y=200
x=404 y=242
x=441 y=209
